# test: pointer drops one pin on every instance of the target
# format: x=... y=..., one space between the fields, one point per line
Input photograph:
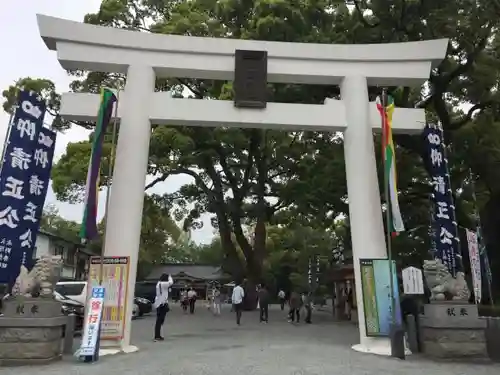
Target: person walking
x=184 y=300
x=282 y=299
x=307 y=301
x=237 y=301
x=161 y=304
x=348 y=302
x=192 y=300
x=216 y=299
x=264 y=304
x=295 y=303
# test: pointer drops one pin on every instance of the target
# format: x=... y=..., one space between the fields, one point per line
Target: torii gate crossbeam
x=165 y=110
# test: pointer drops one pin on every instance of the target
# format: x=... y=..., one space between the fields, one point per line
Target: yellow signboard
x=115 y=275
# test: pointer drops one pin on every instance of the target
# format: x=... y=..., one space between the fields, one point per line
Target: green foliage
x=46 y=89
x=292 y=248
x=53 y=223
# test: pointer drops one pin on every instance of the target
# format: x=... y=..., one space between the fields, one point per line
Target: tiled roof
x=196 y=271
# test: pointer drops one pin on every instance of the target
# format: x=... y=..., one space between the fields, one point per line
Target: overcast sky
x=25 y=55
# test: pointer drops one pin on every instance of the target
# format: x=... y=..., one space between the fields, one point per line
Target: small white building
x=74 y=255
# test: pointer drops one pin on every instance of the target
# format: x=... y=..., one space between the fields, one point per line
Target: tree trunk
x=232 y=262
x=250 y=301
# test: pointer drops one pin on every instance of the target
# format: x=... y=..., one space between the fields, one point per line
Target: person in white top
x=161 y=303
x=216 y=300
x=237 y=300
x=192 y=295
x=281 y=296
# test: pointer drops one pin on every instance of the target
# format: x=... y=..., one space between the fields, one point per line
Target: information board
x=376 y=284
x=115 y=275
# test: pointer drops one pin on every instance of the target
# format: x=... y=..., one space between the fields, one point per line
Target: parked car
x=144 y=306
x=135 y=311
x=145 y=289
x=70 y=306
x=75 y=290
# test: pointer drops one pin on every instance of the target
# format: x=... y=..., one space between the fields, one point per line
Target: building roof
x=195 y=271
x=57 y=237
x=75 y=244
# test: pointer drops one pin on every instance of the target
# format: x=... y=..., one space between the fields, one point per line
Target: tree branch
x=468 y=116
x=405 y=97
x=227 y=170
x=196 y=176
x=469 y=60
x=251 y=158
x=401 y=25
x=362 y=18
x=277 y=174
x=424 y=103
x=196 y=93
x=277 y=206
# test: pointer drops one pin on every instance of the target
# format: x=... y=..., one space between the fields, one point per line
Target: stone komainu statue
x=442 y=285
x=41 y=280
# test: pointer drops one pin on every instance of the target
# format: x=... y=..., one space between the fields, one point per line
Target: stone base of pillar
x=453 y=331
x=31 y=331
x=378 y=346
x=117 y=350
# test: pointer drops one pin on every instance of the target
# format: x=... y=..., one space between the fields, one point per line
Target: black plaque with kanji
x=250 y=79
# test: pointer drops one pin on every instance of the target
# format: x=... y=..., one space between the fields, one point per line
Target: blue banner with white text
x=16 y=186
x=444 y=222
x=39 y=179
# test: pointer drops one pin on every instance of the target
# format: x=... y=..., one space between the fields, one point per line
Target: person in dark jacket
x=295 y=303
x=307 y=300
x=264 y=303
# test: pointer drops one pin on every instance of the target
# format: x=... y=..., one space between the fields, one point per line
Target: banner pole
x=108 y=185
x=7 y=135
x=396 y=334
x=95 y=357
x=387 y=204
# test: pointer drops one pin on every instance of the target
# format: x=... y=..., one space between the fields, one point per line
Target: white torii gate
x=143 y=57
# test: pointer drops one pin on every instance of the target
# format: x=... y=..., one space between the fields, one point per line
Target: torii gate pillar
x=143 y=56
x=124 y=213
x=365 y=215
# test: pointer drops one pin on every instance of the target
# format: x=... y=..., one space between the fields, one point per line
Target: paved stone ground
x=201 y=344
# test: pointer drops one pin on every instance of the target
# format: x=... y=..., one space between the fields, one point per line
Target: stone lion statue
x=41 y=280
x=442 y=285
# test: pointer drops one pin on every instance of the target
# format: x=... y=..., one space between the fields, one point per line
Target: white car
x=76 y=290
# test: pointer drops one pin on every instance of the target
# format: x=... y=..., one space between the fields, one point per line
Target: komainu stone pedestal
x=453 y=331
x=31 y=331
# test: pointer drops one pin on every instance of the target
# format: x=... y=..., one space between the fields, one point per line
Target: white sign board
x=413 y=281
x=475 y=263
x=92 y=322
